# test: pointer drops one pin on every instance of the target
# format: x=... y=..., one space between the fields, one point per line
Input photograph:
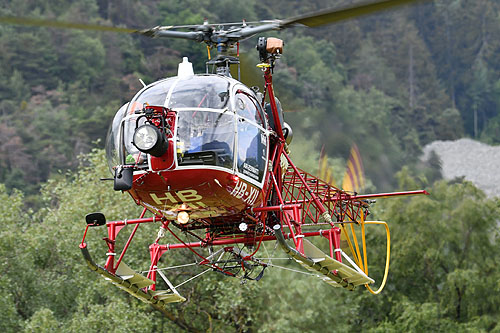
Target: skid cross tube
x=236 y=240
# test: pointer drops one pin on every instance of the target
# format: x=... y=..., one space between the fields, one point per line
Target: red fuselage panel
x=203 y=192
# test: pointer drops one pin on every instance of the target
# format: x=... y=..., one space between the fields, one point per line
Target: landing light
x=148 y=139
x=183 y=217
x=233 y=179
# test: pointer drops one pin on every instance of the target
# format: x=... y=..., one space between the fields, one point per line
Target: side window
x=252 y=150
x=113 y=143
x=131 y=154
x=248 y=107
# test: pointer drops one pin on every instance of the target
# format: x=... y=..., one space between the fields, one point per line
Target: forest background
x=390 y=82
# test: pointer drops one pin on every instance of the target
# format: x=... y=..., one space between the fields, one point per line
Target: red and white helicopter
x=208 y=157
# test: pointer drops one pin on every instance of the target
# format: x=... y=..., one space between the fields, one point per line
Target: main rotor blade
x=65 y=25
x=333 y=15
x=314 y=19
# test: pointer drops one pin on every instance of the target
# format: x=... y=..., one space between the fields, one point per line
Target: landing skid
x=134 y=283
x=333 y=272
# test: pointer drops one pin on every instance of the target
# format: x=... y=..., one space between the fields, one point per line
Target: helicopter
x=209 y=158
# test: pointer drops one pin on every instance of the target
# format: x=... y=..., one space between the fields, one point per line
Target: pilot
x=137 y=158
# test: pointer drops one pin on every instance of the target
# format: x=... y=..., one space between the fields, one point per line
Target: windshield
x=205 y=137
x=216 y=121
x=200 y=92
x=156 y=95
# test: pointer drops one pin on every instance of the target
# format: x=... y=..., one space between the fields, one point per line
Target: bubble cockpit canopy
x=218 y=122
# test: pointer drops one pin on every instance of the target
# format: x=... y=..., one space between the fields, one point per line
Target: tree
x=438 y=281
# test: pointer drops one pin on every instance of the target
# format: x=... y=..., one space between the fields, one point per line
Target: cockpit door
x=252 y=147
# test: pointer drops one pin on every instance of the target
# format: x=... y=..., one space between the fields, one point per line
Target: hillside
x=390 y=82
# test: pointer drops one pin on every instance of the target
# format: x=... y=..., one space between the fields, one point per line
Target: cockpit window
x=200 y=92
x=154 y=95
x=252 y=150
x=113 y=139
x=205 y=138
x=217 y=124
x=132 y=155
x=248 y=107
x=119 y=147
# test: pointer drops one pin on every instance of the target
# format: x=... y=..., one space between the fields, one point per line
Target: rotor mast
x=215 y=37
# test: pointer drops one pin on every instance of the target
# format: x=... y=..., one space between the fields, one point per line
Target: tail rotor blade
x=354 y=179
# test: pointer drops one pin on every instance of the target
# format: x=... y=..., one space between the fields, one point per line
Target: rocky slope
x=475 y=161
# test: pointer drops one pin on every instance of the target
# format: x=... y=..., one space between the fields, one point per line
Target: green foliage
x=371 y=70
x=450 y=287
x=491 y=132
x=389 y=83
x=13 y=224
x=43 y=321
x=468 y=72
x=83 y=57
x=304 y=153
x=10 y=319
x=450 y=230
x=117 y=315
